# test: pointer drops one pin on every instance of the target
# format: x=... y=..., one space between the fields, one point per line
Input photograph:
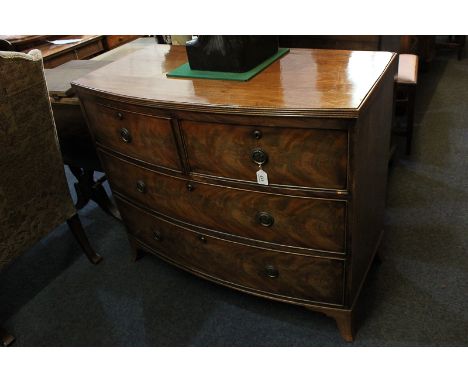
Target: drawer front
x=89 y=50
x=140 y=136
x=293 y=221
x=302 y=277
x=116 y=40
x=298 y=157
x=62 y=58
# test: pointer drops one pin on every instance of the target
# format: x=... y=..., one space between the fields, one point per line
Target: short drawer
x=89 y=50
x=315 y=158
x=303 y=222
x=59 y=59
x=116 y=40
x=144 y=137
x=265 y=271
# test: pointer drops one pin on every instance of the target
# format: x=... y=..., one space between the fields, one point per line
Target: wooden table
x=54 y=54
x=76 y=144
x=183 y=156
x=77 y=147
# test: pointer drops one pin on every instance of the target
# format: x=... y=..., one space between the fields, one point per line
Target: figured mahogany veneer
x=272 y=272
x=232 y=210
x=141 y=136
x=306 y=158
x=182 y=156
x=305 y=82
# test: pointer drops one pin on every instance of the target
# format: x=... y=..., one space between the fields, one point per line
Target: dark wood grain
x=300 y=277
x=151 y=138
x=303 y=82
x=298 y=221
x=23 y=42
x=322 y=117
x=363 y=42
x=312 y=158
x=114 y=41
x=370 y=138
x=55 y=55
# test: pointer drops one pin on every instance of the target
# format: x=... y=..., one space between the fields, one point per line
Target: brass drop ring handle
x=271 y=271
x=264 y=219
x=125 y=135
x=259 y=156
x=141 y=186
x=157 y=236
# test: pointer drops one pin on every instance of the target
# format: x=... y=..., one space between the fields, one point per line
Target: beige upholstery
x=34 y=196
x=407 y=69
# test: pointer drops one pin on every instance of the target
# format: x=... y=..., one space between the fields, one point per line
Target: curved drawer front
x=311 y=158
x=293 y=221
x=272 y=272
x=140 y=136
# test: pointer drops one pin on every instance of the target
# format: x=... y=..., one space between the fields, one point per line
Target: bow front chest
x=274 y=186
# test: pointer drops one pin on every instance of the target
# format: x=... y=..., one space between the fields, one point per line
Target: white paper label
x=262 y=177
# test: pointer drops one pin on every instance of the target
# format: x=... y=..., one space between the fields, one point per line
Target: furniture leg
x=99 y=195
x=80 y=187
x=88 y=189
x=410 y=118
x=137 y=253
x=393 y=145
x=75 y=226
x=345 y=322
x=6 y=338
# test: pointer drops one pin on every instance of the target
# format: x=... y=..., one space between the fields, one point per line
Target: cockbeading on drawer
x=140 y=136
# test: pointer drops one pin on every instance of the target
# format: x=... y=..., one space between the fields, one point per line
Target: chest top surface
x=303 y=82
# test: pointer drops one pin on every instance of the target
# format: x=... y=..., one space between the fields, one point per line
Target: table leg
x=75 y=226
x=88 y=189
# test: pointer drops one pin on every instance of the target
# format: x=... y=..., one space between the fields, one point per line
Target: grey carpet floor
x=418 y=295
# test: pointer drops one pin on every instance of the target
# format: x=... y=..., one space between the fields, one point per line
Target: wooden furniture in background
x=390 y=43
x=125 y=49
x=55 y=55
x=6 y=46
x=34 y=193
x=114 y=41
x=422 y=46
x=182 y=157
x=406 y=83
x=25 y=42
x=456 y=43
x=76 y=144
x=75 y=141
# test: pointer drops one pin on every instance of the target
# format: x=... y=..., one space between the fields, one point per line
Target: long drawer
x=265 y=271
x=144 y=137
x=314 y=158
x=285 y=220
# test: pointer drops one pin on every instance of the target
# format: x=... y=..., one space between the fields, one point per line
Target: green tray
x=185 y=71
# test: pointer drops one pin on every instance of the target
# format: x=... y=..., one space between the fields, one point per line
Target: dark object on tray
x=230 y=53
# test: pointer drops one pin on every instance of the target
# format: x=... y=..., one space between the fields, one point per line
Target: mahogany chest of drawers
x=182 y=157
